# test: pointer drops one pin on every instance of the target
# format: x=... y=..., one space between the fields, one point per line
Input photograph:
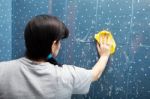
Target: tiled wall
x=128 y=70
x=5 y=30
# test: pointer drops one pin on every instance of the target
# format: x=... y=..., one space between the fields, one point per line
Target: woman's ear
x=55 y=48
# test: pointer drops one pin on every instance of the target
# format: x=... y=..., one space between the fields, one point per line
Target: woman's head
x=42 y=36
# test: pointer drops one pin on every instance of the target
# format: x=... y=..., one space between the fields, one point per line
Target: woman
x=38 y=75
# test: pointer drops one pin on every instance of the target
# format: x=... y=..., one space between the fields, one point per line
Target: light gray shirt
x=25 y=79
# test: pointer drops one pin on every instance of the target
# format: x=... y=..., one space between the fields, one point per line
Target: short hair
x=39 y=34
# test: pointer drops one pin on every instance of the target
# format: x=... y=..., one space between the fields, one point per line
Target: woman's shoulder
x=8 y=62
x=9 y=65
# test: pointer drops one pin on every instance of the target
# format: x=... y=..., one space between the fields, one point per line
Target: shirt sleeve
x=81 y=77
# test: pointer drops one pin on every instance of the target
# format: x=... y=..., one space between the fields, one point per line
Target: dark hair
x=39 y=34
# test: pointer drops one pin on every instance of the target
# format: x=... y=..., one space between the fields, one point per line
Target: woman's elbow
x=95 y=77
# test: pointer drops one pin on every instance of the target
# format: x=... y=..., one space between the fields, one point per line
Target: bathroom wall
x=128 y=70
x=5 y=30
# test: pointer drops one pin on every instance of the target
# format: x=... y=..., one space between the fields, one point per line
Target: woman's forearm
x=99 y=67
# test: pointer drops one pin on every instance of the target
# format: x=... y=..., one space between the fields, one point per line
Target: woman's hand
x=104 y=46
x=104 y=51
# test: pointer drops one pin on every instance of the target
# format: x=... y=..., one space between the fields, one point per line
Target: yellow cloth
x=110 y=37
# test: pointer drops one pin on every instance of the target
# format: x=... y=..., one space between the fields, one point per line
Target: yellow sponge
x=110 y=37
